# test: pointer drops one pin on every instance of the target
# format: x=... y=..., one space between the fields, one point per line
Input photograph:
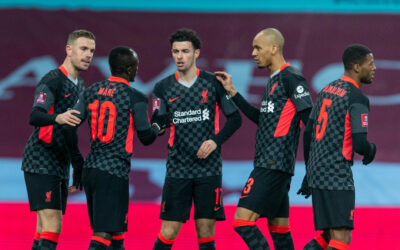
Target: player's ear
x=274 y=49
x=357 y=68
x=197 y=53
x=68 y=50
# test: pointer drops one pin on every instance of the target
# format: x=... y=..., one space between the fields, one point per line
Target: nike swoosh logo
x=67 y=95
x=243 y=196
x=216 y=208
x=172 y=100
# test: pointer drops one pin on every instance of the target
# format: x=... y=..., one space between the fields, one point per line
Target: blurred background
x=32 y=42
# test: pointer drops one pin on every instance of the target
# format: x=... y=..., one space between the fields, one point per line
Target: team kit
x=187 y=105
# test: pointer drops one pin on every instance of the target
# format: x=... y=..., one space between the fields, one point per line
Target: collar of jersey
x=281 y=68
x=350 y=80
x=177 y=76
x=118 y=79
x=63 y=70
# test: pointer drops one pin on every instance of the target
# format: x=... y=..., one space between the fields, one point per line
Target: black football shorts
x=46 y=191
x=107 y=200
x=333 y=208
x=266 y=193
x=179 y=194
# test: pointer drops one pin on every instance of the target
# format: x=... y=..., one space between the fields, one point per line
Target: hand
x=304 y=189
x=69 y=118
x=206 y=149
x=162 y=121
x=370 y=157
x=226 y=81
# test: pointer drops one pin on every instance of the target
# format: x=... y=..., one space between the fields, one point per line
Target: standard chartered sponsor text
x=188 y=116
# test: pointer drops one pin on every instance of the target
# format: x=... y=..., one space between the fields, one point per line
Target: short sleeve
x=158 y=100
x=139 y=111
x=297 y=90
x=359 y=118
x=44 y=97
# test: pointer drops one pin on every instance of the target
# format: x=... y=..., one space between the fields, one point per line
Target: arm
x=248 y=110
x=42 y=115
x=233 y=123
x=359 y=129
x=147 y=133
x=71 y=138
x=304 y=189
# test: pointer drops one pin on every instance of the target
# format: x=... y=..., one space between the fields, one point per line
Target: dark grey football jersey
x=278 y=130
x=340 y=111
x=114 y=111
x=195 y=113
x=46 y=151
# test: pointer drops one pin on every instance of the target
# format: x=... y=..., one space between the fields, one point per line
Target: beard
x=366 y=80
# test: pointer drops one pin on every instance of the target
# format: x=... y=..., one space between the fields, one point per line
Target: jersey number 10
x=98 y=116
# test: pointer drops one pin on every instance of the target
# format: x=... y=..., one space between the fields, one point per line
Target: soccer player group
x=188 y=103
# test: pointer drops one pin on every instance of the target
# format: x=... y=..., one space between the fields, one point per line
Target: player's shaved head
x=273 y=37
x=120 y=58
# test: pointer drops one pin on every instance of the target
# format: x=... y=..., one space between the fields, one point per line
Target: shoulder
x=207 y=75
x=137 y=96
x=52 y=79
x=291 y=74
x=163 y=84
x=356 y=96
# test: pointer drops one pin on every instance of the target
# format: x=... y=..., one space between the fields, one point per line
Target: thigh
x=88 y=187
x=176 y=199
x=110 y=202
x=207 y=196
x=333 y=209
x=266 y=193
x=45 y=192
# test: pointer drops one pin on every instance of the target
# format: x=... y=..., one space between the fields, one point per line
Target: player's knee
x=245 y=214
x=278 y=221
x=205 y=231
x=170 y=232
x=51 y=220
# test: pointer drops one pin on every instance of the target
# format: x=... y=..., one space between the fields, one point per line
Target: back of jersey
x=107 y=106
x=331 y=153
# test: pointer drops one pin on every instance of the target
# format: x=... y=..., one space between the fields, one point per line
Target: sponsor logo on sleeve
x=156 y=104
x=41 y=98
x=364 y=120
x=301 y=92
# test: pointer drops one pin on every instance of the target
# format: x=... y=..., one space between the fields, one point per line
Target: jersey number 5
x=322 y=119
x=98 y=116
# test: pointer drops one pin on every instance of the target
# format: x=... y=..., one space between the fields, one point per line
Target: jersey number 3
x=322 y=119
x=98 y=116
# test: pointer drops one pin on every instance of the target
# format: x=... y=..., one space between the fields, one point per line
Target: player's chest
x=69 y=94
x=197 y=96
x=274 y=97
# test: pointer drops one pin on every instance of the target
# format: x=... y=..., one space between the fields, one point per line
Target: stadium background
x=316 y=32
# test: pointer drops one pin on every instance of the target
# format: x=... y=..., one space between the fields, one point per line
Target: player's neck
x=354 y=77
x=72 y=71
x=276 y=64
x=188 y=75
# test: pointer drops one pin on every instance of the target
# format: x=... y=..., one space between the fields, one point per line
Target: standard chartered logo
x=206 y=114
x=187 y=116
x=267 y=107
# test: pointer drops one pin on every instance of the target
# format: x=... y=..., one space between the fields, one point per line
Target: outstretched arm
x=248 y=110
